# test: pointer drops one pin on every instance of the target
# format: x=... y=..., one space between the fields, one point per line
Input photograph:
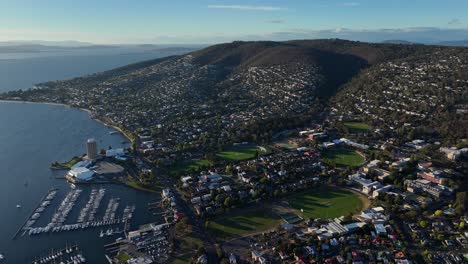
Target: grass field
x=357 y=127
x=239 y=153
x=231 y=226
x=342 y=157
x=137 y=185
x=326 y=202
x=66 y=165
x=123 y=258
x=188 y=165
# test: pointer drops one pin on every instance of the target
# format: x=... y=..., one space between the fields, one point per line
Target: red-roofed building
x=430 y=177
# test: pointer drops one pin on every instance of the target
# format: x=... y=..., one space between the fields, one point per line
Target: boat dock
x=86 y=218
x=48 y=197
x=111 y=209
x=88 y=212
x=70 y=255
x=72 y=227
x=65 y=208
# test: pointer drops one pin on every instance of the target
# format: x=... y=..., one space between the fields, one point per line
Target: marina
x=35 y=214
x=104 y=221
x=110 y=232
x=111 y=208
x=89 y=211
x=68 y=255
x=66 y=206
x=72 y=227
x=149 y=242
x=87 y=214
x=128 y=212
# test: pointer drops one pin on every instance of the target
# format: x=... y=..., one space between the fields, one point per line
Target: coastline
x=78 y=108
x=134 y=185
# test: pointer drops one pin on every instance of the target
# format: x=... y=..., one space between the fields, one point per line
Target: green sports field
x=239 y=224
x=357 y=127
x=342 y=157
x=239 y=153
x=326 y=202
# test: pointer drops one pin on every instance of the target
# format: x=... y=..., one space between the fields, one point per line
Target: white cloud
x=247 y=7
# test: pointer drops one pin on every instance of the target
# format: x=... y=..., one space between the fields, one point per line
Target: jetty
x=66 y=255
x=86 y=218
x=48 y=197
x=88 y=212
x=73 y=227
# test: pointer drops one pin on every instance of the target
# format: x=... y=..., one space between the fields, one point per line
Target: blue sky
x=212 y=21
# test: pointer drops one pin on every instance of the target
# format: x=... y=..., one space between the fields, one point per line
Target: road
x=198 y=226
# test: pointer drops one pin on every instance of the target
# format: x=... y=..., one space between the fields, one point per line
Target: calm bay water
x=31 y=137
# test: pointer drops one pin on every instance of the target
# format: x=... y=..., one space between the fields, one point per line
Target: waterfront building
x=80 y=174
x=91 y=148
x=115 y=152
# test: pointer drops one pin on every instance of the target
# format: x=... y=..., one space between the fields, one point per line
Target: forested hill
x=418 y=96
x=249 y=90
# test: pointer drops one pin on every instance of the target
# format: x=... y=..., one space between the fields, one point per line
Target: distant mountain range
x=397 y=41
x=65 y=43
x=455 y=43
x=34 y=46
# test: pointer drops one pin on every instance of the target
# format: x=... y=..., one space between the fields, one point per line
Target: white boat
x=18 y=206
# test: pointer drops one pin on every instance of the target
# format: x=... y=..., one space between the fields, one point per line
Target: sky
x=215 y=21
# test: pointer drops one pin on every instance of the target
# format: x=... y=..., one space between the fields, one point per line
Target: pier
x=67 y=255
x=65 y=208
x=72 y=227
x=53 y=190
x=86 y=218
x=88 y=212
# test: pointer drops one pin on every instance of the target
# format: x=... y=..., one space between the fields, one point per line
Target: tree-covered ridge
x=225 y=93
x=247 y=91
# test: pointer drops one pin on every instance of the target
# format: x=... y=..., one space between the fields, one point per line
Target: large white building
x=81 y=174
